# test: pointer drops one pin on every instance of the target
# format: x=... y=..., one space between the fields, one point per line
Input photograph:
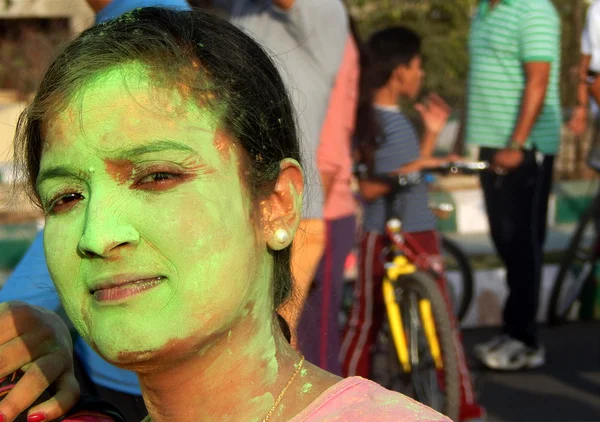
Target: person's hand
x=434 y=112
x=454 y=158
x=579 y=120
x=37 y=342
x=507 y=160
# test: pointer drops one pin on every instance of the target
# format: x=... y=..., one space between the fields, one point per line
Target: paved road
x=566 y=389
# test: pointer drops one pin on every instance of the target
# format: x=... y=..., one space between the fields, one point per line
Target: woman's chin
x=126 y=357
x=135 y=353
x=125 y=347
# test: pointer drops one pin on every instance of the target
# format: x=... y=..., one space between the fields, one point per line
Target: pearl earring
x=282 y=236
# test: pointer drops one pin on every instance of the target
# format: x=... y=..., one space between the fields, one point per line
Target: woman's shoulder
x=358 y=399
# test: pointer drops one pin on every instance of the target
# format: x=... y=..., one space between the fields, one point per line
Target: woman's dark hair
x=380 y=56
x=208 y=59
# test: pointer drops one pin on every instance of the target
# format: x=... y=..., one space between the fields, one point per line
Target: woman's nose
x=107 y=230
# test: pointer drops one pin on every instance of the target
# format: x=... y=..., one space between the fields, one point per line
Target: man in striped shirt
x=514 y=116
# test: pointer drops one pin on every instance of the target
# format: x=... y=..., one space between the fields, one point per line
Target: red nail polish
x=2 y=417
x=36 y=417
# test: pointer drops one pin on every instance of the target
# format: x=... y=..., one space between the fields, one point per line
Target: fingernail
x=36 y=417
x=2 y=417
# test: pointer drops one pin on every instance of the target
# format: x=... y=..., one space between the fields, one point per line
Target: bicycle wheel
x=576 y=266
x=437 y=387
x=460 y=281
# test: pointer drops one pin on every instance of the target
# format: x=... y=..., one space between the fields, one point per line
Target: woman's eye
x=64 y=203
x=159 y=180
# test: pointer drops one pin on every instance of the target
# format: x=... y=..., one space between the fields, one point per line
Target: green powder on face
x=306 y=388
x=209 y=241
x=303 y=373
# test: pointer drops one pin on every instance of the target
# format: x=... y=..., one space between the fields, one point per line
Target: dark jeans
x=131 y=406
x=517 y=208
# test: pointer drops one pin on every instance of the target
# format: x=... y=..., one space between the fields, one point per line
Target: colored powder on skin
x=303 y=372
x=272 y=365
x=306 y=388
x=266 y=400
x=120 y=170
x=195 y=234
x=211 y=223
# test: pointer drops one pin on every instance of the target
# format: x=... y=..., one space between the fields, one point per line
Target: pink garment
x=359 y=400
x=334 y=152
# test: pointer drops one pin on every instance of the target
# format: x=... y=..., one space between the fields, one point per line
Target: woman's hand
x=38 y=342
x=434 y=112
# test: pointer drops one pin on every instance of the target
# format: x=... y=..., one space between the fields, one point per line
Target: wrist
x=432 y=132
x=516 y=145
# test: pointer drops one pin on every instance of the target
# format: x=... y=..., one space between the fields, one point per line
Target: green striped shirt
x=502 y=39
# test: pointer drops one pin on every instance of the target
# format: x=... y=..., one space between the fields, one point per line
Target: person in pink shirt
x=319 y=335
x=359 y=400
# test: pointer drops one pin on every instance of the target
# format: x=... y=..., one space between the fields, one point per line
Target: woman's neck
x=237 y=377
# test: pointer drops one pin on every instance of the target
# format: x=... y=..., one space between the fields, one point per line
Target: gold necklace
x=280 y=397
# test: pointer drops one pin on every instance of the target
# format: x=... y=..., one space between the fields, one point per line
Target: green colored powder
x=306 y=388
x=195 y=232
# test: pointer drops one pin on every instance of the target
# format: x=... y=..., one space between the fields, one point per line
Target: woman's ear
x=281 y=210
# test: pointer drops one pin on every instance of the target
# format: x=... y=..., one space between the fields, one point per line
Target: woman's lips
x=125 y=290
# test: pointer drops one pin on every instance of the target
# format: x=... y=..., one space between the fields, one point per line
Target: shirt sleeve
x=339 y=121
x=320 y=25
x=586 y=42
x=30 y=282
x=399 y=146
x=590 y=39
x=540 y=35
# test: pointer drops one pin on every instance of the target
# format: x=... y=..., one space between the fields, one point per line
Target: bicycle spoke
x=421 y=304
x=575 y=270
x=573 y=285
x=423 y=377
x=414 y=328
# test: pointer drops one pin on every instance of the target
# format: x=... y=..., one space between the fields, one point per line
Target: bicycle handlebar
x=464 y=167
x=414 y=178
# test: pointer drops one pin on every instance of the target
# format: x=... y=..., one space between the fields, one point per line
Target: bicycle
x=577 y=264
x=455 y=259
x=418 y=323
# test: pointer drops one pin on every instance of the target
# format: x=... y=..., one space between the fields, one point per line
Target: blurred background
x=31 y=31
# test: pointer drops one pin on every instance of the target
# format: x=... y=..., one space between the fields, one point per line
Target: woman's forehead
x=121 y=106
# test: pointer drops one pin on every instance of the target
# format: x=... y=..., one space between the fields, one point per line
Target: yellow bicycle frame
x=394 y=271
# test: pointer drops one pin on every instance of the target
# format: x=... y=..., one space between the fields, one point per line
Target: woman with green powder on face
x=163 y=150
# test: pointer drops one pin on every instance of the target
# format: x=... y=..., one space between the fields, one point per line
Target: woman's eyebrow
x=152 y=146
x=59 y=172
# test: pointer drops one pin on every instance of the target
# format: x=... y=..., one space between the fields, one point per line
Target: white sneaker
x=508 y=354
x=482 y=349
